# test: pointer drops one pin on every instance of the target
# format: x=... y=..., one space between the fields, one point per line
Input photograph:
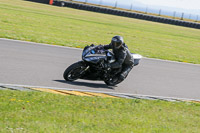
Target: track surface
x=35 y=64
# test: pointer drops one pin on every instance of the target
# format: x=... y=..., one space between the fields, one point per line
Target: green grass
x=44 y=112
x=42 y=23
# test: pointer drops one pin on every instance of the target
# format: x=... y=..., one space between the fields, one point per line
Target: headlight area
x=93 y=59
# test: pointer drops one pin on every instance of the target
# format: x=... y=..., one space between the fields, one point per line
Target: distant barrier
x=121 y=13
x=127 y=14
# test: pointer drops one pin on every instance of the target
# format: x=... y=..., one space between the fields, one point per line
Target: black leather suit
x=124 y=60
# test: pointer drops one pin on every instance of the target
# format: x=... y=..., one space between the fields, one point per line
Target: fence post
x=159 y=12
x=116 y=4
x=174 y=14
x=100 y=2
x=197 y=18
x=190 y=16
x=182 y=16
x=146 y=10
x=131 y=6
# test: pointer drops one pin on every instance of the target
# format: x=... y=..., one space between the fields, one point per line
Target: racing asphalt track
x=33 y=64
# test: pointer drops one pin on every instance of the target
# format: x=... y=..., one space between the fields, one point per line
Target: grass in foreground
x=44 y=112
x=42 y=23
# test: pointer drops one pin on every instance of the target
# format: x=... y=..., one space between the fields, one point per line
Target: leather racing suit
x=124 y=60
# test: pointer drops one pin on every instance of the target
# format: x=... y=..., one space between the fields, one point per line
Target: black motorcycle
x=92 y=65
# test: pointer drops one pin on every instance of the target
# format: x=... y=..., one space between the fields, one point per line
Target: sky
x=184 y=4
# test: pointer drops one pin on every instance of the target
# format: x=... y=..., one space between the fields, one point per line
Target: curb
x=75 y=92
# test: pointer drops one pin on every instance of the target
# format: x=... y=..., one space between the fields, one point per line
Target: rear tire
x=110 y=83
x=113 y=82
x=74 y=71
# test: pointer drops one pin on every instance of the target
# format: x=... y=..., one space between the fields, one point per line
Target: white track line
x=171 y=61
x=139 y=95
x=50 y=45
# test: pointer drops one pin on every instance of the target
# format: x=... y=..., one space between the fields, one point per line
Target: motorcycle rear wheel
x=113 y=83
x=74 y=71
x=110 y=83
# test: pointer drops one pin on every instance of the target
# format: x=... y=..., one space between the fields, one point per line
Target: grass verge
x=44 y=112
x=23 y=20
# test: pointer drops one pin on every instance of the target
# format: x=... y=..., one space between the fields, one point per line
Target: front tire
x=74 y=71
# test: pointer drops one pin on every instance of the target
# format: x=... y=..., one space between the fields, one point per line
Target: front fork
x=84 y=70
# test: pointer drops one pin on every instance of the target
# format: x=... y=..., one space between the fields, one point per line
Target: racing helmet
x=117 y=42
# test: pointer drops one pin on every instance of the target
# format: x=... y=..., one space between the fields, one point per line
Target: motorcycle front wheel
x=74 y=71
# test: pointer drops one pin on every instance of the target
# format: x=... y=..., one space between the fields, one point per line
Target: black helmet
x=117 y=42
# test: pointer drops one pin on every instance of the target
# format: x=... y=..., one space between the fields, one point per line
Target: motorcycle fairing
x=95 y=54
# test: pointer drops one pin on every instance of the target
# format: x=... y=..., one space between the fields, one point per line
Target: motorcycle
x=92 y=67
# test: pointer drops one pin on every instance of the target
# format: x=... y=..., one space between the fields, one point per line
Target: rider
x=124 y=60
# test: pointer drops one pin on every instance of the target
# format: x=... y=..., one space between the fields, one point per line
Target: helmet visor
x=116 y=44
